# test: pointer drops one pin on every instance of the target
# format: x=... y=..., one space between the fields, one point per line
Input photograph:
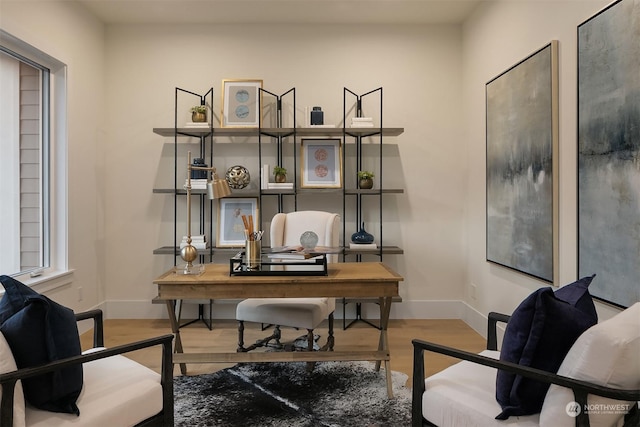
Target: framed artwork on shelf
x=230 y=231
x=321 y=163
x=522 y=166
x=241 y=103
x=609 y=153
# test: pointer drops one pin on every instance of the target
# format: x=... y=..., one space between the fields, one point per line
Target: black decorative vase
x=362 y=236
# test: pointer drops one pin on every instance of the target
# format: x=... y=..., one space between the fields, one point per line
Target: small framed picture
x=321 y=163
x=230 y=232
x=241 y=103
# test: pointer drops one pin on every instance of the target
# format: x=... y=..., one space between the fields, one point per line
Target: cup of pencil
x=253 y=243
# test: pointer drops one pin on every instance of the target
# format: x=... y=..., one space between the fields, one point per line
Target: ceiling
x=281 y=11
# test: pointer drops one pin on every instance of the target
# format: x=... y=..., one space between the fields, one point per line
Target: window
x=32 y=161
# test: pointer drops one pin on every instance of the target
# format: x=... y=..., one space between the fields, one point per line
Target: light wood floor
x=197 y=337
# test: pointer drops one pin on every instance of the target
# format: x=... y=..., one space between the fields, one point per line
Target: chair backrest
x=286 y=229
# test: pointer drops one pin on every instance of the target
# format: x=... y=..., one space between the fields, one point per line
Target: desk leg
x=383 y=344
x=175 y=328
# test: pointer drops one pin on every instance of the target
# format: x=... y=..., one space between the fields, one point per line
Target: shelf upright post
x=279 y=136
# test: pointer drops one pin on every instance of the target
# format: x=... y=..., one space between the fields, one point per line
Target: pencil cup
x=253 y=250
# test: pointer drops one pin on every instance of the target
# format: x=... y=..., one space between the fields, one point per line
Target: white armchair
x=303 y=313
x=116 y=390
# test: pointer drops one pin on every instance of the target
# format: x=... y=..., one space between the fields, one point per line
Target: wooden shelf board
x=301 y=132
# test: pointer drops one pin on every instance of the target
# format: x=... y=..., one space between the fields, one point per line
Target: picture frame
x=230 y=229
x=241 y=103
x=321 y=163
x=522 y=166
x=608 y=153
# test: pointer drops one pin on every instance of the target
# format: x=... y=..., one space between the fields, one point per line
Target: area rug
x=334 y=394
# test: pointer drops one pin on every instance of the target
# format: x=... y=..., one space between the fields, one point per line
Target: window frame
x=54 y=158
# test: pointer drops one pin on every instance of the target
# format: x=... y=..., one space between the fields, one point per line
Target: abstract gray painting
x=521 y=182
x=609 y=152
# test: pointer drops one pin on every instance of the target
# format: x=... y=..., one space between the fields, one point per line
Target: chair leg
x=328 y=346
x=240 y=348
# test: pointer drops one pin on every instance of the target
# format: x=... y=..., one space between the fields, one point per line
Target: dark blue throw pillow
x=539 y=334
x=38 y=332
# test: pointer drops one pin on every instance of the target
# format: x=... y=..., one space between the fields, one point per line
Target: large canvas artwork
x=609 y=152
x=522 y=184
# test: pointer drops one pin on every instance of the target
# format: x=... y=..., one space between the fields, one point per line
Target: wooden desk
x=351 y=280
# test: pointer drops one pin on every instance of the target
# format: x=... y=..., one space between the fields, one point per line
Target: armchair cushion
x=8 y=364
x=534 y=338
x=606 y=354
x=119 y=392
x=38 y=332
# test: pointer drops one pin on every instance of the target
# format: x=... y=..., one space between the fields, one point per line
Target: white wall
x=70 y=34
x=419 y=69
x=497 y=36
x=121 y=85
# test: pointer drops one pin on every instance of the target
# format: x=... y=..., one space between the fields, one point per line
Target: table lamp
x=216 y=189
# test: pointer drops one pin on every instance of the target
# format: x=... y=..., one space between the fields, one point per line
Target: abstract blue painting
x=609 y=152
x=522 y=184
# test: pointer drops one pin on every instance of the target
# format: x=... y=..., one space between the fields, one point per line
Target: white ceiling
x=281 y=11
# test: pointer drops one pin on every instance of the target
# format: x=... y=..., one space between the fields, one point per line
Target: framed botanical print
x=241 y=103
x=321 y=163
x=230 y=232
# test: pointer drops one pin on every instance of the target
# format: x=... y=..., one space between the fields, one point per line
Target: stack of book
x=361 y=122
x=197 y=125
x=197 y=184
x=199 y=242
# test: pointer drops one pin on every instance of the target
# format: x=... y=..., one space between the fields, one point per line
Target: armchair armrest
x=581 y=389
x=492 y=328
x=98 y=325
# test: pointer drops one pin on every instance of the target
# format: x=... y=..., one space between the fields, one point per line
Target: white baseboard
x=226 y=309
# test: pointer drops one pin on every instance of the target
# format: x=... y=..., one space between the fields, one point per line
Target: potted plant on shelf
x=199 y=114
x=365 y=179
x=280 y=174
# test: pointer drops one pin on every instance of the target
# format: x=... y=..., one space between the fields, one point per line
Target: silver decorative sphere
x=309 y=240
x=238 y=177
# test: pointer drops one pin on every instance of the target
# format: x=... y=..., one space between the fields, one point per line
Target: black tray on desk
x=316 y=266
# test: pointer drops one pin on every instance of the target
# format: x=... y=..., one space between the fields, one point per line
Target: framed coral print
x=321 y=163
x=230 y=232
x=522 y=166
x=241 y=103
x=609 y=152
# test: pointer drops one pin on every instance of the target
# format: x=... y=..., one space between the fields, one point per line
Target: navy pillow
x=14 y=297
x=39 y=332
x=539 y=334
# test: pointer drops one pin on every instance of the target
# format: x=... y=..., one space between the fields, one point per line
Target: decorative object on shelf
x=317 y=116
x=361 y=122
x=230 y=231
x=241 y=103
x=362 y=236
x=238 y=177
x=365 y=180
x=280 y=174
x=215 y=190
x=198 y=173
x=309 y=240
x=199 y=114
x=321 y=163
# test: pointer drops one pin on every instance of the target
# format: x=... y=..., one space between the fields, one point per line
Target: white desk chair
x=306 y=313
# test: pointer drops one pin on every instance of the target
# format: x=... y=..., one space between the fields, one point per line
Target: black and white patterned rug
x=334 y=394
